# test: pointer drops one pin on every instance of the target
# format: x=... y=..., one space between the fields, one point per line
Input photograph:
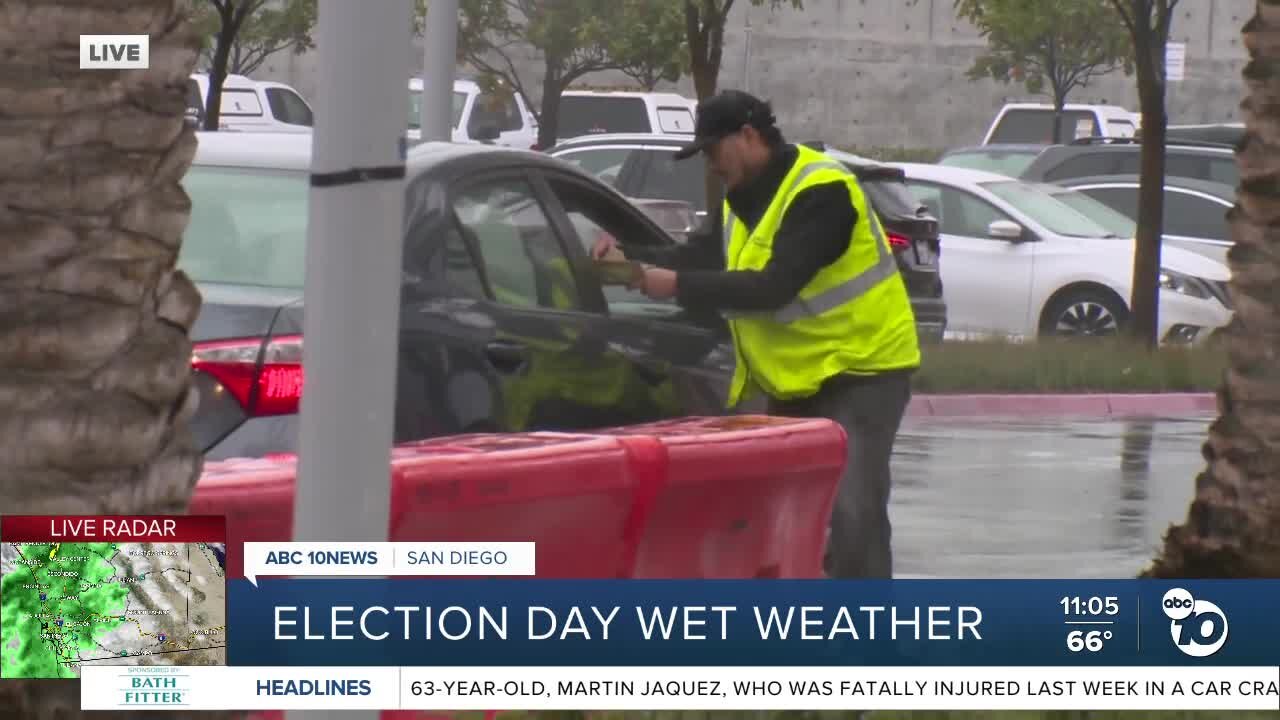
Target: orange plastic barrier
x=744 y=496
x=581 y=498
x=256 y=495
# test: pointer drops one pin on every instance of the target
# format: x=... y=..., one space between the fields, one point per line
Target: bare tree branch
x=1124 y=15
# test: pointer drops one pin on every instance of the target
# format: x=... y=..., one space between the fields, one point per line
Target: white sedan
x=1019 y=262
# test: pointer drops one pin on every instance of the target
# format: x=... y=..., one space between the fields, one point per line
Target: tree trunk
x=95 y=375
x=1233 y=526
x=549 y=114
x=218 y=73
x=1144 y=303
x=705 y=77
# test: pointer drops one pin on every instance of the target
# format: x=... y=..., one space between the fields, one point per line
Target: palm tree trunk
x=1233 y=528
x=95 y=379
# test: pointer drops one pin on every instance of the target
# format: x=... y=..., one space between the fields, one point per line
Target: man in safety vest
x=820 y=316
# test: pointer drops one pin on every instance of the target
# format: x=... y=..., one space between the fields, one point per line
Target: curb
x=1042 y=405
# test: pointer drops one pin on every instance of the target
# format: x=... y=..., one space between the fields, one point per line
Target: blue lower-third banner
x=532 y=622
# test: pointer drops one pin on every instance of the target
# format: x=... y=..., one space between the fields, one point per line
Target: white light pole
x=354 y=235
x=439 y=62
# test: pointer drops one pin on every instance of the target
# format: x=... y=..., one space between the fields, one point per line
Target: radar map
x=66 y=605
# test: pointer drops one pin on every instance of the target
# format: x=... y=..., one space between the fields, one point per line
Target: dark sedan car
x=642 y=166
x=503 y=326
x=1091 y=157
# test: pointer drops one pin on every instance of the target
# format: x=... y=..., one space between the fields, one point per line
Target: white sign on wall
x=1175 y=61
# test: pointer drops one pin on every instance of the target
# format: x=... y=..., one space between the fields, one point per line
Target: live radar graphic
x=67 y=605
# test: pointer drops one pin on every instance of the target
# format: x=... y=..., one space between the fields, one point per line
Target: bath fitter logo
x=115 y=52
x=154 y=686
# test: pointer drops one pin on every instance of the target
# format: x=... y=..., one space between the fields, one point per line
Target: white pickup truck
x=251 y=105
x=1032 y=123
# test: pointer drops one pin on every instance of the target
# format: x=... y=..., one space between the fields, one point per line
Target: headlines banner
x=681 y=688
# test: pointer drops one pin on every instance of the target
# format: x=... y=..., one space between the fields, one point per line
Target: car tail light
x=264 y=381
x=898 y=242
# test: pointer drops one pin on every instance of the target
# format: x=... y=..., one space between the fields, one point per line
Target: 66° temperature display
x=1090 y=640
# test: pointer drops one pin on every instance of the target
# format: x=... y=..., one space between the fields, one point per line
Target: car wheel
x=1085 y=313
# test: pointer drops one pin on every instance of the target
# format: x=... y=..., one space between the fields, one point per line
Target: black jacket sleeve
x=814 y=233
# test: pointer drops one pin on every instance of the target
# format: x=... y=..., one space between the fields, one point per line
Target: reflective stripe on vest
x=831 y=298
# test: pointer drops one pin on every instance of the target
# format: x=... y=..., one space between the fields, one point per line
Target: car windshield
x=1047 y=210
x=1011 y=163
x=415 y=109
x=1115 y=222
x=248 y=226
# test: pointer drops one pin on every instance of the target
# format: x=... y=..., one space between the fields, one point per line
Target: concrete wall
x=892 y=72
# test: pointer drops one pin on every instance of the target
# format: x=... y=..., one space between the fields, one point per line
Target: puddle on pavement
x=995 y=498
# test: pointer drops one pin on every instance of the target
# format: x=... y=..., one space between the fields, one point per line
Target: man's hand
x=657 y=283
x=606 y=248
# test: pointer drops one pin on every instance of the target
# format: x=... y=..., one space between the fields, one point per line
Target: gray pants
x=870 y=410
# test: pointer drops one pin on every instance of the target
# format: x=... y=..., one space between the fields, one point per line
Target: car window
x=415 y=108
x=240 y=103
x=595 y=114
x=890 y=197
x=287 y=107
x=1225 y=171
x=456 y=264
x=1045 y=209
x=1011 y=163
x=1121 y=199
x=968 y=215
x=668 y=179
x=247 y=226
x=605 y=163
x=931 y=197
x=498 y=109
x=194 y=100
x=1120 y=128
x=1036 y=126
x=594 y=215
x=675 y=119
x=1090 y=164
x=1112 y=220
x=518 y=249
x=958 y=212
x=1193 y=216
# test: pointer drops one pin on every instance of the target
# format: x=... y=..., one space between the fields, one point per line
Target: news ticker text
x=682 y=688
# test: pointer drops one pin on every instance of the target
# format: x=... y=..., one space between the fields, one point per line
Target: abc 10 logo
x=1199 y=627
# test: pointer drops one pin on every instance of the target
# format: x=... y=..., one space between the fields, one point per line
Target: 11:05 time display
x=1094 y=605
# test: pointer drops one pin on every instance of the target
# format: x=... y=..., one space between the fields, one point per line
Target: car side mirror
x=1005 y=230
x=486 y=133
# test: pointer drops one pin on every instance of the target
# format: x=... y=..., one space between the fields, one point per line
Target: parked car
x=642 y=166
x=1009 y=160
x=598 y=112
x=503 y=118
x=1210 y=162
x=1022 y=263
x=503 y=326
x=1033 y=123
x=1228 y=134
x=251 y=106
x=1195 y=212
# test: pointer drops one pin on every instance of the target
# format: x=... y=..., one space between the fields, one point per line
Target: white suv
x=478 y=116
x=596 y=112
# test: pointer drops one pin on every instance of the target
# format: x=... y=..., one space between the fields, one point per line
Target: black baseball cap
x=723 y=114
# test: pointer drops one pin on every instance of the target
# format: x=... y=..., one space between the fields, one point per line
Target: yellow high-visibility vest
x=854 y=316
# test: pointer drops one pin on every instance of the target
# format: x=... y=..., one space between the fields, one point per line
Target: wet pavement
x=989 y=498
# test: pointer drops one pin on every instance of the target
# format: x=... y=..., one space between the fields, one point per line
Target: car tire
x=1086 y=312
